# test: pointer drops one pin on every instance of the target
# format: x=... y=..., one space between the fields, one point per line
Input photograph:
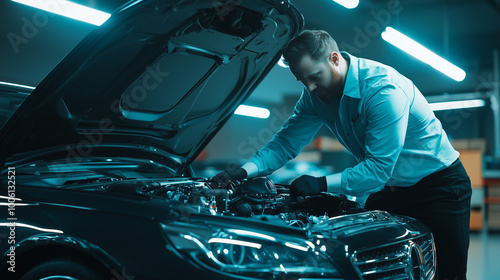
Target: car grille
x=411 y=259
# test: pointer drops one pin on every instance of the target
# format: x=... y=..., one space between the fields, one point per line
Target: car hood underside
x=160 y=75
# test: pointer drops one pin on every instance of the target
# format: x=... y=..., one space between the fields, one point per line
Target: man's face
x=321 y=77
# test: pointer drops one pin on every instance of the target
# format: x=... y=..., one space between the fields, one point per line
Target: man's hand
x=223 y=178
x=308 y=185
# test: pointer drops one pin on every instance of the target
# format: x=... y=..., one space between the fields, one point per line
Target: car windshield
x=89 y=170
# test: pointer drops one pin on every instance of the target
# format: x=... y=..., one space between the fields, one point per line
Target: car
x=96 y=163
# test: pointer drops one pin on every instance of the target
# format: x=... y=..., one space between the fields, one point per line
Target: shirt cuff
x=251 y=169
x=334 y=182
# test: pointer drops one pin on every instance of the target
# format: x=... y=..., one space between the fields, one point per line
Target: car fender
x=41 y=247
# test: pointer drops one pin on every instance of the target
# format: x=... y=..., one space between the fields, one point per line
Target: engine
x=253 y=198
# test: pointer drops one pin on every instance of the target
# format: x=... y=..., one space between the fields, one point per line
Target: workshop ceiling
x=464 y=32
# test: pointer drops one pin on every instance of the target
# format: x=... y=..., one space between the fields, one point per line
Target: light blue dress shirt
x=382 y=119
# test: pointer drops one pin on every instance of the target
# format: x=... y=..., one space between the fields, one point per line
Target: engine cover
x=259 y=185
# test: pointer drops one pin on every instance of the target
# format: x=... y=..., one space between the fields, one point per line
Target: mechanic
x=406 y=163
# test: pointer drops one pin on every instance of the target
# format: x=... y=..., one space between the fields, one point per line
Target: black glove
x=308 y=185
x=222 y=179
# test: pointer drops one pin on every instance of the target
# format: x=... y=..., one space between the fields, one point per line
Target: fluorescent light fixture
x=349 y=4
x=69 y=9
x=16 y=85
x=11 y=198
x=415 y=49
x=282 y=63
x=32 y=227
x=251 y=111
x=15 y=204
x=462 y=104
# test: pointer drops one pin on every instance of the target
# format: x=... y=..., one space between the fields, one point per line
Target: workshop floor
x=484 y=256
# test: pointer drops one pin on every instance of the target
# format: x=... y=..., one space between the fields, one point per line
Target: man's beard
x=328 y=96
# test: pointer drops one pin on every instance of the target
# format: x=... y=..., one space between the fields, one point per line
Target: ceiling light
x=415 y=49
x=349 y=4
x=462 y=104
x=69 y=9
x=16 y=85
x=282 y=63
x=251 y=111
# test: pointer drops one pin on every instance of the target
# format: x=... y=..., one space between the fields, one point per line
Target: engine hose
x=253 y=199
x=215 y=192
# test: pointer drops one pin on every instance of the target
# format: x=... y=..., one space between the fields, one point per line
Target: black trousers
x=441 y=201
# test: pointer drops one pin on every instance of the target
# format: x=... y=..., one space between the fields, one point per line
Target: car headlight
x=243 y=253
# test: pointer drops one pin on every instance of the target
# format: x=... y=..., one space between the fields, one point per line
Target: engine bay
x=252 y=198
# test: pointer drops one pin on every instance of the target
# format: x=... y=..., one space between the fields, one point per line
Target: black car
x=96 y=177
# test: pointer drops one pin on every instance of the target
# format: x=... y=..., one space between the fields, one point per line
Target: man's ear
x=334 y=58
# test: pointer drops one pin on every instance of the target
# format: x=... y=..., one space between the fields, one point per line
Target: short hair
x=316 y=43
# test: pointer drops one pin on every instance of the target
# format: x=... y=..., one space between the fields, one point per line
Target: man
x=405 y=160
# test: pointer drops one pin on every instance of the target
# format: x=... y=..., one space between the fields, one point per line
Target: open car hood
x=158 y=75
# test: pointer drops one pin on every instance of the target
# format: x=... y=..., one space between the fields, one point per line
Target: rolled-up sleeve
x=386 y=114
x=297 y=131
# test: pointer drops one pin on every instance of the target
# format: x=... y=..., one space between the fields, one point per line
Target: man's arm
x=297 y=131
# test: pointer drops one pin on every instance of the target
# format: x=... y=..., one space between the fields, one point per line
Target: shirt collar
x=351 y=87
